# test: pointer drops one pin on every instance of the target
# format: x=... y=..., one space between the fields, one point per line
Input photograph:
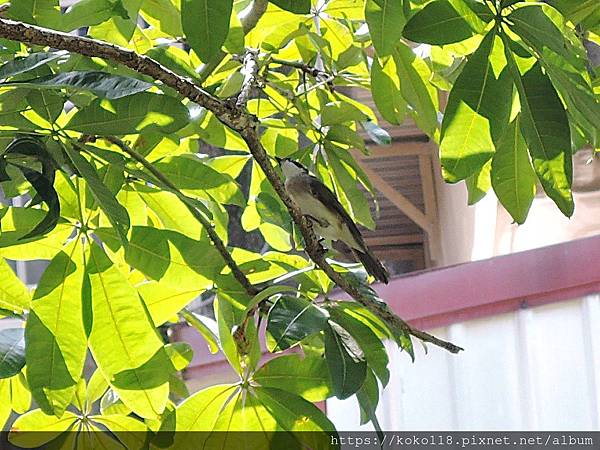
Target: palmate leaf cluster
x=129 y=248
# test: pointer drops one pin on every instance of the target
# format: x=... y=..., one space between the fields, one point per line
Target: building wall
x=532 y=369
x=471 y=233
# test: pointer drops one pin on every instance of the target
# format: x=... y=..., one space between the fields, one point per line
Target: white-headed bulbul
x=329 y=218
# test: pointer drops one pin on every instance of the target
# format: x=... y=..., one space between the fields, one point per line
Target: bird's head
x=291 y=168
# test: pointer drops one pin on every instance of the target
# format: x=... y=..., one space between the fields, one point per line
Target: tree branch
x=250 y=18
x=306 y=68
x=237 y=119
x=250 y=71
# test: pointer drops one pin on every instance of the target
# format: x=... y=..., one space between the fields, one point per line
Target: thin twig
x=212 y=234
x=236 y=118
x=306 y=68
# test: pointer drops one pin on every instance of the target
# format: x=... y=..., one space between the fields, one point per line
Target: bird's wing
x=366 y=257
x=320 y=191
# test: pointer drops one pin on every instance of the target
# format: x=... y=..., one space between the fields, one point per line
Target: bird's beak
x=278 y=159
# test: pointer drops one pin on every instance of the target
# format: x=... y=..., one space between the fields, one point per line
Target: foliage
x=122 y=202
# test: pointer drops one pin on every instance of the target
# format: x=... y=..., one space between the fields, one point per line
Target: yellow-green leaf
x=123 y=340
x=55 y=332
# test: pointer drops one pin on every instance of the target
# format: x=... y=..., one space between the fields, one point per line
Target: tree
x=100 y=133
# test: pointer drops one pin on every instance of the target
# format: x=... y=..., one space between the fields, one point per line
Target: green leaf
x=368 y=397
x=189 y=173
x=102 y=84
x=341 y=112
x=174 y=259
x=295 y=414
x=346 y=182
x=240 y=344
x=414 y=90
x=437 y=24
x=22 y=148
x=582 y=105
x=295 y=6
x=267 y=293
x=292 y=319
x=174 y=58
x=5 y=406
x=129 y=431
x=42 y=13
x=479 y=183
x=170 y=213
x=123 y=340
x=475 y=13
x=91 y=12
x=582 y=11
x=14 y=295
x=27 y=63
x=371 y=346
x=122 y=25
x=163 y=15
x=200 y=411
x=12 y=351
x=180 y=354
x=545 y=127
x=477 y=111
x=34 y=429
x=48 y=105
x=43 y=187
x=513 y=178
x=206 y=326
x=376 y=133
x=117 y=215
x=232 y=165
x=345 y=360
x=386 y=20
x=38 y=247
x=111 y=403
x=538 y=30
x=164 y=301
x=206 y=24
x=226 y=409
x=95 y=389
x=130 y=115
x=20 y=394
x=346 y=135
x=385 y=88
x=55 y=332
x=307 y=377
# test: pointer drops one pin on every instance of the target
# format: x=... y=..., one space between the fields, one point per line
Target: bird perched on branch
x=329 y=218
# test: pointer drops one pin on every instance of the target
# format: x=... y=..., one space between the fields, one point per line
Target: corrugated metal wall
x=533 y=369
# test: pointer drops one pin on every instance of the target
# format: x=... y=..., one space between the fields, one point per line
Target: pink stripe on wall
x=453 y=294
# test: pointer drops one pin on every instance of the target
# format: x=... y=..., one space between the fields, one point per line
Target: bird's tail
x=373 y=266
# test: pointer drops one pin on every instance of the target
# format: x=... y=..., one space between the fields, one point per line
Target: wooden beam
x=398 y=239
x=426 y=173
x=401 y=202
x=429 y=200
x=397 y=149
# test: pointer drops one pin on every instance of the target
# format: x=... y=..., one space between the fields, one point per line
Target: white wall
x=534 y=369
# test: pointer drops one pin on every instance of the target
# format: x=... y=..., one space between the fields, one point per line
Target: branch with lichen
x=250 y=72
x=238 y=119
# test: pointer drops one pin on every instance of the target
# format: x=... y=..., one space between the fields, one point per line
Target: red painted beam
x=453 y=294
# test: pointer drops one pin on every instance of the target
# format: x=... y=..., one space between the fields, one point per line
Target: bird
x=329 y=218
